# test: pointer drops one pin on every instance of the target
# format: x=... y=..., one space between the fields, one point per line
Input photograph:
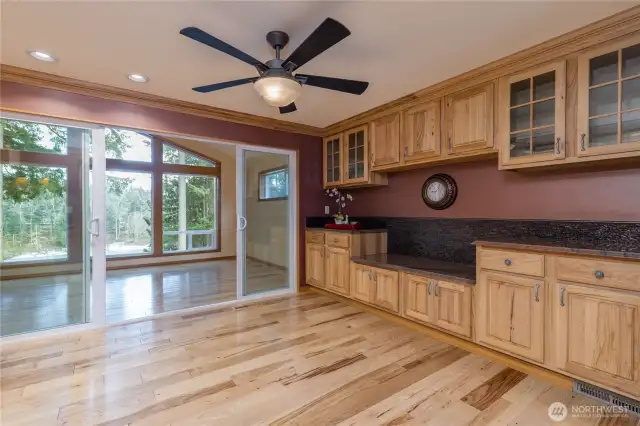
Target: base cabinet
x=361 y=283
x=596 y=335
x=315 y=264
x=452 y=307
x=386 y=289
x=418 y=302
x=337 y=270
x=510 y=313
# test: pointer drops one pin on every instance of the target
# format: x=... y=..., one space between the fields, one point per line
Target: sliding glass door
x=49 y=225
x=266 y=221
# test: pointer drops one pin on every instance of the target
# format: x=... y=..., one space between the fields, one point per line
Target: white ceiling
x=399 y=47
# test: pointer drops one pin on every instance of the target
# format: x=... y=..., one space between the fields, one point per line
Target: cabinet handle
x=599 y=274
x=536 y=292
x=429 y=287
x=507 y=262
x=375 y=277
x=370 y=275
x=435 y=289
x=582 y=147
x=562 y=290
x=406 y=151
x=558 y=145
x=450 y=146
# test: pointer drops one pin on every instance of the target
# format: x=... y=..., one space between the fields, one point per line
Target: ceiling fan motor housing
x=277 y=39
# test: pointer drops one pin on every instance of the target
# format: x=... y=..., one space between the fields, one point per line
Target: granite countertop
x=421 y=266
x=348 y=231
x=631 y=251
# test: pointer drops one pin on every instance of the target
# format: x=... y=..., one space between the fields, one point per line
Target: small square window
x=274 y=184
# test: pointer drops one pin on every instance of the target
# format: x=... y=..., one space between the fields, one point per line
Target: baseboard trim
x=541 y=373
x=168 y=263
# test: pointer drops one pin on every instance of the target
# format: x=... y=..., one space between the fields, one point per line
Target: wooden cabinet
x=608 y=113
x=332 y=158
x=356 y=155
x=361 y=283
x=531 y=118
x=468 y=120
x=315 y=264
x=510 y=313
x=420 y=133
x=452 y=307
x=386 y=289
x=385 y=142
x=418 y=302
x=337 y=269
x=596 y=335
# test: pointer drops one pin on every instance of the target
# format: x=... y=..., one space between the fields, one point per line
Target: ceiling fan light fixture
x=278 y=91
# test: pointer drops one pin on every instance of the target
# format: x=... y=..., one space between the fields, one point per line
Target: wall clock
x=439 y=191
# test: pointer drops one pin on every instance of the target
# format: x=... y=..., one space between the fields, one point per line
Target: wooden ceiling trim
x=615 y=26
x=67 y=84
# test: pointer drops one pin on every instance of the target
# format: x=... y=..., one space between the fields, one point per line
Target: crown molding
x=607 y=29
x=67 y=84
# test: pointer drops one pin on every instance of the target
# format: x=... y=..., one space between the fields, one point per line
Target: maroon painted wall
x=80 y=107
x=486 y=192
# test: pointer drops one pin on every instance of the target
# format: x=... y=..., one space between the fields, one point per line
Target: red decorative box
x=346 y=226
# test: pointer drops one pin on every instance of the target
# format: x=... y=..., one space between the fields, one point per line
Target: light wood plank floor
x=299 y=360
x=47 y=302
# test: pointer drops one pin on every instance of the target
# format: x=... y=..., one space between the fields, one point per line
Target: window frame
x=263 y=174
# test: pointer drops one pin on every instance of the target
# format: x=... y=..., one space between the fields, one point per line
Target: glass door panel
x=265 y=221
x=45 y=238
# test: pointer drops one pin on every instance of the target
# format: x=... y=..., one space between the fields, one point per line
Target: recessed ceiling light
x=138 y=78
x=41 y=56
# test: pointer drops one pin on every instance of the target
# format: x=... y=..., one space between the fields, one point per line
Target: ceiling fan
x=276 y=83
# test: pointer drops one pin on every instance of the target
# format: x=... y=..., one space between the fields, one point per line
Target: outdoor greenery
x=34 y=197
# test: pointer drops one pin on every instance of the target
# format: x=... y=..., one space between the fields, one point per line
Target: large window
x=189 y=213
x=274 y=184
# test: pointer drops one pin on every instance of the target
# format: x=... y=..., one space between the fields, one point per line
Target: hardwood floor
x=47 y=302
x=300 y=360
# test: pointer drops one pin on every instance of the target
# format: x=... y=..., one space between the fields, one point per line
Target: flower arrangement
x=342 y=199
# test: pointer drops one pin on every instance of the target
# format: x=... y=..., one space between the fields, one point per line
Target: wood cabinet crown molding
x=67 y=84
x=607 y=29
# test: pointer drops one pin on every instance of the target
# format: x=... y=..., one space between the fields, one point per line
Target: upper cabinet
x=421 y=132
x=468 y=120
x=531 y=119
x=346 y=160
x=332 y=174
x=608 y=115
x=385 y=141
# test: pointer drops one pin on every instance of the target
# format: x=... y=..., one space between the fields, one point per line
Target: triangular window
x=175 y=155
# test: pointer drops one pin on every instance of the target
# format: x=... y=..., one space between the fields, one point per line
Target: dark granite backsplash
x=450 y=239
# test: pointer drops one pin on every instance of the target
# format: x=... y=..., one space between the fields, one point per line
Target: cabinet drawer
x=512 y=261
x=335 y=239
x=315 y=237
x=607 y=273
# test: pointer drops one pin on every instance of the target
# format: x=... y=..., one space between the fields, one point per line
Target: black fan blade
x=218 y=86
x=340 y=84
x=326 y=35
x=289 y=108
x=198 y=35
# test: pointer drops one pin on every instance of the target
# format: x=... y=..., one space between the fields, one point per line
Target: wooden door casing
x=315 y=264
x=510 y=313
x=596 y=335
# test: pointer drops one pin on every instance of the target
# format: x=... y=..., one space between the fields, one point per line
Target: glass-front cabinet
x=332 y=160
x=609 y=99
x=355 y=158
x=532 y=115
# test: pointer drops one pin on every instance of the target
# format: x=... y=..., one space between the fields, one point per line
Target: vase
x=339 y=221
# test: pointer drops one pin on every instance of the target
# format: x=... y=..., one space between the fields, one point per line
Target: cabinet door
x=418 y=300
x=332 y=171
x=337 y=269
x=469 y=120
x=361 y=283
x=421 y=132
x=452 y=303
x=596 y=335
x=531 y=126
x=386 y=289
x=609 y=99
x=510 y=313
x=385 y=142
x=315 y=264
x=356 y=155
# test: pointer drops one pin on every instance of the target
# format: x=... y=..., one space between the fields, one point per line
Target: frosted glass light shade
x=278 y=91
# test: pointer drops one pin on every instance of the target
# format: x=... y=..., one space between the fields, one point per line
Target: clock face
x=439 y=191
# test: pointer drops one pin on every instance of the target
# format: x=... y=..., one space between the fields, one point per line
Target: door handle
x=562 y=290
x=90 y=226
x=242 y=223
x=536 y=292
x=435 y=289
